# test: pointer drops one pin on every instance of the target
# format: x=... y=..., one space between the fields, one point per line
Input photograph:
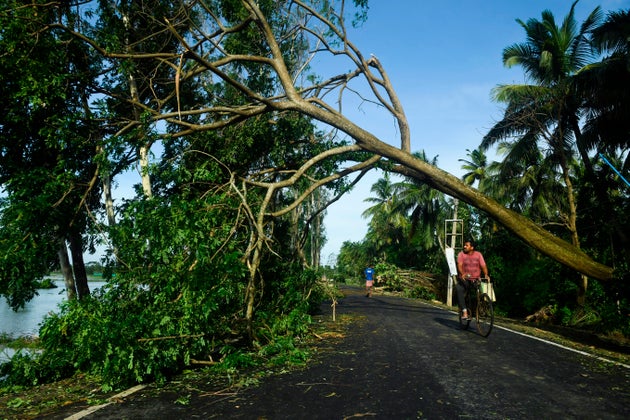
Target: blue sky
x=443 y=57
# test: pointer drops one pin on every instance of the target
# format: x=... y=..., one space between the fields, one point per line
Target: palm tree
x=527 y=182
x=386 y=226
x=422 y=205
x=605 y=87
x=481 y=171
x=383 y=201
x=544 y=114
x=476 y=166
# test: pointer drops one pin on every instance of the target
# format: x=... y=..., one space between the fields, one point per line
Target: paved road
x=405 y=360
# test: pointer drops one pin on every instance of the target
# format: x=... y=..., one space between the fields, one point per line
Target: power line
x=614 y=169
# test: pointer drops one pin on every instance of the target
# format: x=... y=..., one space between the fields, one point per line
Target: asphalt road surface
x=403 y=359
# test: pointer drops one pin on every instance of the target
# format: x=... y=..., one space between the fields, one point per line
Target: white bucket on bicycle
x=486 y=287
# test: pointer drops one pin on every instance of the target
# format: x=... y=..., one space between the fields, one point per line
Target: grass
x=9 y=341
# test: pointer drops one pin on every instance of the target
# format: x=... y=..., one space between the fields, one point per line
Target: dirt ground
x=362 y=366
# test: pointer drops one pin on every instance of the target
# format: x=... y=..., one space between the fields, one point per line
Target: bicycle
x=479 y=305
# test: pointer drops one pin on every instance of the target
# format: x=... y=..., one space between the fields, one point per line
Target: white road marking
x=94 y=408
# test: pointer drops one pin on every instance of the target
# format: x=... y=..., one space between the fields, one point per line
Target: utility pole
x=453 y=230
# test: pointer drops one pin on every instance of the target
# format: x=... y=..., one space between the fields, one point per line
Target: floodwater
x=26 y=321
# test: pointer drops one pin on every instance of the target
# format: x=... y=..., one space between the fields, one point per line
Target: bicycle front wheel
x=485 y=315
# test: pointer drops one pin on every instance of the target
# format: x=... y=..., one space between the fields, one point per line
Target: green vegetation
x=19 y=342
x=126 y=339
x=194 y=273
x=45 y=284
x=215 y=258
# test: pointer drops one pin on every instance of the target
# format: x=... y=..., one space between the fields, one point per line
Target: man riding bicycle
x=470 y=265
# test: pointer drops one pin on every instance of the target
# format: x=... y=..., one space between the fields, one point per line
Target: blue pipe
x=614 y=169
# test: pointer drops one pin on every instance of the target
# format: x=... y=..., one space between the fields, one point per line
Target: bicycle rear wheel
x=485 y=315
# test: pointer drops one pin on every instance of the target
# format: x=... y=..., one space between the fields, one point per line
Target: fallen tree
x=202 y=53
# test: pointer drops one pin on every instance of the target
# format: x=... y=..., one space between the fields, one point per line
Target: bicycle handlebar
x=477 y=279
